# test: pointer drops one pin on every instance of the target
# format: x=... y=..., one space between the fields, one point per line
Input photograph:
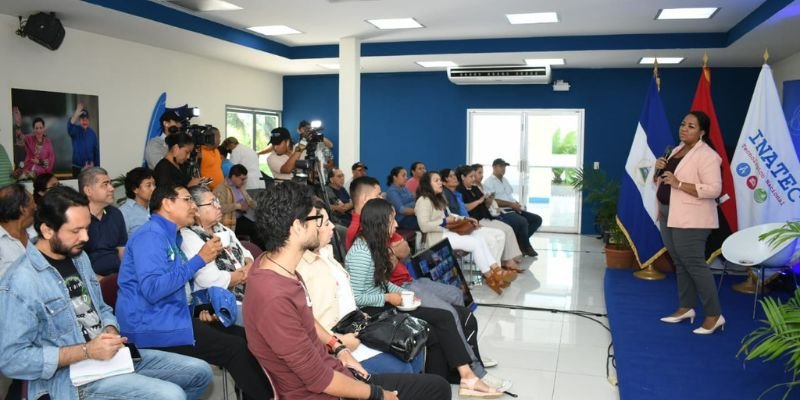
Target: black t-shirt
x=166 y=173
x=81 y=301
x=480 y=211
x=664 y=190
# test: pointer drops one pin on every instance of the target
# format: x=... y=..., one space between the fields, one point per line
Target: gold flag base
x=649 y=274
x=750 y=285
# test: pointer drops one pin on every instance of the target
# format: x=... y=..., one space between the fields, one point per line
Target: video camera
x=202 y=135
x=305 y=169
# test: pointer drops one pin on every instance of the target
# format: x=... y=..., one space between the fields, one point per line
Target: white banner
x=765 y=167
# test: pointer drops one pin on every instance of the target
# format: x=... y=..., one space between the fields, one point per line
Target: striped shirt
x=362 y=269
x=5 y=167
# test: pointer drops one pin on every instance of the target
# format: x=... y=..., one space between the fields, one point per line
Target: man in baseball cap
x=282 y=159
x=523 y=222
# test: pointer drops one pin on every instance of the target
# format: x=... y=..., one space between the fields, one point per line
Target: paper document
x=88 y=371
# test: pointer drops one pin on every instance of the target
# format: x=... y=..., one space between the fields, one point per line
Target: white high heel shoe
x=719 y=324
x=674 y=320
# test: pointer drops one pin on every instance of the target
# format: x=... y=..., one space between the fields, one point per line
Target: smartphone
x=357 y=375
x=134 y=352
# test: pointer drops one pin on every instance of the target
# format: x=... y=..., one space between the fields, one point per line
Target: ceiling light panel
x=662 y=60
x=274 y=30
x=436 y=64
x=533 y=18
x=395 y=23
x=538 y=62
x=205 y=5
x=687 y=13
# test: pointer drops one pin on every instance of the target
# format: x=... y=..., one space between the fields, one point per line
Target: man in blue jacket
x=85 y=149
x=55 y=317
x=154 y=297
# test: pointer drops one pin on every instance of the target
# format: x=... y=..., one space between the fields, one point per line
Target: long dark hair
x=425 y=189
x=375 y=219
x=394 y=172
x=705 y=125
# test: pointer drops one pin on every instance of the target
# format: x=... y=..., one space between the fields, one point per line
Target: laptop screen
x=438 y=263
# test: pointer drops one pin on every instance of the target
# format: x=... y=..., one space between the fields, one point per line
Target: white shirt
x=248 y=157
x=275 y=163
x=501 y=188
x=210 y=275
x=11 y=248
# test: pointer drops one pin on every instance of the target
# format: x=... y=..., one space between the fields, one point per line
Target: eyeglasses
x=320 y=219
x=187 y=199
x=214 y=203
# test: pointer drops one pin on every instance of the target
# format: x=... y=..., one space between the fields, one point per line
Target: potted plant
x=603 y=194
x=780 y=335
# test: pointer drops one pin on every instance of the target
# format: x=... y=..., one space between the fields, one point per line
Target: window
x=251 y=126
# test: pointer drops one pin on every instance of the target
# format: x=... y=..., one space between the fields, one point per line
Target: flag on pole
x=637 y=206
x=727 y=200
x=766 y=171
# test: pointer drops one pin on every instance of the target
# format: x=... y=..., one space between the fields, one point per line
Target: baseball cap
x=169 y=115
x=303 y=123
x=500 y=161
x=278 y=135
x=358 y=165
x=84 y=113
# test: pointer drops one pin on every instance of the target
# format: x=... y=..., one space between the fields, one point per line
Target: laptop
x=439 y=263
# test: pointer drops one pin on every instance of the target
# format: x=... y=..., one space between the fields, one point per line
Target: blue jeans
x=159 y=375
x=386 y=363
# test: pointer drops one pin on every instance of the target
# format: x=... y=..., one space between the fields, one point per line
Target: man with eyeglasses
x=153 y=300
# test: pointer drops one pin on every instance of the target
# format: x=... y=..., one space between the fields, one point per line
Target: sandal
x=513 y=268
x=467 y=389
x=494 y=284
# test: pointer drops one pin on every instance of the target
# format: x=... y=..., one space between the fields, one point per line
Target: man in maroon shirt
x=281 y=329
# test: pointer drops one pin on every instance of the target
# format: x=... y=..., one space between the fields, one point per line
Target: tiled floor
x=547 y=355
x=551 y=355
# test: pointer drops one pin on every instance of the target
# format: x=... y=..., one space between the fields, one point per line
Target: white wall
x=128 y=78
x=787 y=69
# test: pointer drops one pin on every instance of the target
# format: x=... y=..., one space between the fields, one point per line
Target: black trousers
x=415 y=386
x=227 y=348
x=446 y=351
x=524 y=224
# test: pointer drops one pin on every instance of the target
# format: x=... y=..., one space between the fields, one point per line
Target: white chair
x=744 y=248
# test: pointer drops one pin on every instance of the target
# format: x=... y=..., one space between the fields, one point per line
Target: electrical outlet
x=597 y=165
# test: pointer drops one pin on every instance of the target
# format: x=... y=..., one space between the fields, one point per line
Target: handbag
x=462 y=226
x=353 y=322
x=397 y=333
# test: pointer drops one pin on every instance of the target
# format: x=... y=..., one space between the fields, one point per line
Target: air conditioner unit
x=499 y=75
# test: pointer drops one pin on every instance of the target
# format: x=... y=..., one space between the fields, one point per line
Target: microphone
x=667 y=152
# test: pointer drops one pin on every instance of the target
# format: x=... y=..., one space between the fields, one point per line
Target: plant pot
x=664 y=263
x=620 y=258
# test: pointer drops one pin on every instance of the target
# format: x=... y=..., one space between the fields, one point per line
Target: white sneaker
x=495 y=382
x=488 y=362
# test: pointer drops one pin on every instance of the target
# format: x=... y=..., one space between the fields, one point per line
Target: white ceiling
x=325 y=22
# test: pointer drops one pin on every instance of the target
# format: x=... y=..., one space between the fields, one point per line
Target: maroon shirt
x=281 y=335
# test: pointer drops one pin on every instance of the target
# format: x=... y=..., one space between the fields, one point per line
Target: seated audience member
x=283 y=158
x=156 y=147
x=16 y=223
x=432 y=214
x=328 y=285
x=39 y=155
x=53 y=289
x=229 y=269
x=478 y=205
x=370 y=264
x=211 y=160
x=417 y=170
x=402 y=199
x=41 y=184
x=339 y=199
x=139 y=186
x=107 y=233
x=528 y=222
x=238 y=208
x=170 y=170
x=241 y=154
x=153 y=299
x=357 y=170
x=455 y=203
x=280 y=323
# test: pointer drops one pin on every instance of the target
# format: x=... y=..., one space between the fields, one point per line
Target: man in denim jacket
x=54 y=316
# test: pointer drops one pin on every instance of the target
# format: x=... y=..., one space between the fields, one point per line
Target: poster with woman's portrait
x=54 y=133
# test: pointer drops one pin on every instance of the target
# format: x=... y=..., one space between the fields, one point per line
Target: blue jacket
x=152 y=306
x=401 y=198
x=84 y=145
x=38 y=319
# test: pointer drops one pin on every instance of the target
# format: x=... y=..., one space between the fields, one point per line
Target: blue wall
x=422 y=116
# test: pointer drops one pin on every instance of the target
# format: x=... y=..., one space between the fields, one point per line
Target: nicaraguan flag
x=637 y=207
x=766 y=171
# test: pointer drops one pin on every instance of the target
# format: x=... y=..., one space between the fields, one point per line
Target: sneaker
x=488 y=362
x=498 y=383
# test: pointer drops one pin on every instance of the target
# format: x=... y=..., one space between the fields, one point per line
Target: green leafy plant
x=780 y=335
x=603 y=194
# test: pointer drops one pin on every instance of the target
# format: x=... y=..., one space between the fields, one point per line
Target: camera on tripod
x=202 y=135
x=310 y=137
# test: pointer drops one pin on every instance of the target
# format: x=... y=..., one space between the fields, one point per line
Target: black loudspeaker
x=45 y=29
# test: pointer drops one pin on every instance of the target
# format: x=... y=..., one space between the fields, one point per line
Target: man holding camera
x=282 y=160
x=306 y=133
x=157 y=147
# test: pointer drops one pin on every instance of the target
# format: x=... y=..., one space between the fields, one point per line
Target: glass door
x=544 y=148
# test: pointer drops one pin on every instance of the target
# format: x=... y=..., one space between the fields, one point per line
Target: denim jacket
x=38 y=319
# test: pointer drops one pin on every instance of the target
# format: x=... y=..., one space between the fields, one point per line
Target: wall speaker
x=45 y=29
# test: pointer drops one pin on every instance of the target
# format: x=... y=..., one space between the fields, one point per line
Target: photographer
x=307 y=132
x=169 y=170
x=282 y=160
x=157 y=147
x=210 y=158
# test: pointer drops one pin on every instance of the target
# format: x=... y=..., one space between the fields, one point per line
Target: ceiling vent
x=499 y=75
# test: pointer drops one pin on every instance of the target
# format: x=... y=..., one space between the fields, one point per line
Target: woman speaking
x=688 y=183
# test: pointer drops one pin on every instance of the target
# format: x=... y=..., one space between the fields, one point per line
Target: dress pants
x=524 y=224
x=416 y=386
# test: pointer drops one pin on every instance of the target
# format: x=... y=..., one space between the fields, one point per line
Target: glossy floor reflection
x=551 y=355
